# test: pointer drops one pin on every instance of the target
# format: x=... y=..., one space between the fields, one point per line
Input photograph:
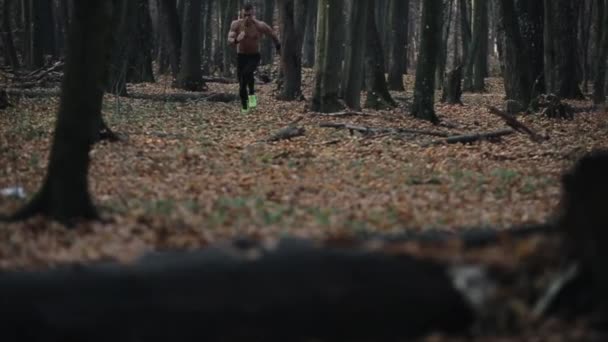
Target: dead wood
x=340 y=114
x=516 y=125
x=367 y=131
x=469 y=138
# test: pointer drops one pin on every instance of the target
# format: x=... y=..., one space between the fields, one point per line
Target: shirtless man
x=245 y=33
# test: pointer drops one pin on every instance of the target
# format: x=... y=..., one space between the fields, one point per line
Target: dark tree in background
x=266 y=14
x=517 y=75
x=561 y=48
x=190 y=76
x=475 y=68
x=292 y=15
x=328 y=61
x=399 y=12
x=64 y=194
x=352 y=75
x=601 y=54
x=430 y=41
x=378 y=96
x=140 y=58
x=171 y=33
x=8 y=43
x=530 y=16
x=308 y=46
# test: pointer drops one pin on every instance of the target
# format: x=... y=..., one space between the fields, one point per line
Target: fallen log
x=469 y=138
x=288 y=132
x=175 y=97
x=516 y=125
x=185 y=97
x=340 y=114
x=292 y=292
x=370 y=130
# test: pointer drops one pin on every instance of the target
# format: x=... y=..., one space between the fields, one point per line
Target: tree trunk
x=531 y=17
x=475 y=66
x=378 y=96
x=172 y=33
x=64 y=195
x=327 y=66
x=208 y=36
x=267 y=48
x=443 y=51
x=308 y=53
x=599 y=82
x=46 y=24
x=561 y=48
x=190 y=76
x=399 y=11
x=452 y=89
x=518 y=82
x=7 y=36
x=36 y=35
x=121 y=48
x=424 y=88
x=291 y=42
x=140 y=58
x=465 y=29
x=355 y=55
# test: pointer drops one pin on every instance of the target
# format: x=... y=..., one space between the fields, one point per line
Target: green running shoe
x=244 y=111
x=253 y=101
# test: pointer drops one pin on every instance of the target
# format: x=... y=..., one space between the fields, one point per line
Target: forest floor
x=188 y=174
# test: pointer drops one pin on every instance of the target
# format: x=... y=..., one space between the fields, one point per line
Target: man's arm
x=267 y=30
x=232 y=38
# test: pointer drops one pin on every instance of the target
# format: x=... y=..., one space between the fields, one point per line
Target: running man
x=245 y=33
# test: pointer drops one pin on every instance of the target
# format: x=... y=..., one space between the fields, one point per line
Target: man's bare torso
x=254 y=29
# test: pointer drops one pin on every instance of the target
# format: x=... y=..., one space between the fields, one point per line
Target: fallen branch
x=469 y=138
x=340 y=114
x=185 y=97
x=516 y=125
x=371 y=131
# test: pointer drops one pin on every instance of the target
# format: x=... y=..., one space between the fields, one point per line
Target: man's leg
x=255 y=61
x=241 y=64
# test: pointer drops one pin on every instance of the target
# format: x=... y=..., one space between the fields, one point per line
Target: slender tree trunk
x=140 y=60
x=424 y=88
x=355 y=55
x=399 y=11
x=531 y=17
x=190 y=76
x=121 y=48
x=465 y=29
x=266 y=49
x=479 y=54
x=517 y=63
x=291 y=54
x=599 y=82
x=208 y=34
x=7 y=35
x=327 y=66
x=46 y=24
x=64 y=195
x=561 y=51
x=172 y=33
x=443 y=51
x=36 y=31
x=308 y=49
x=378 y=96
x=228 y=53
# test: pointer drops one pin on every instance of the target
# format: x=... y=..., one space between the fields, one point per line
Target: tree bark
x=140 y=58
x=443 y=51
x=424 y=88
x=190 y=76
x=267 y=48
x=172 y=33
x=599 y=82
x=291 y=42
x=327 y=66
x=64 y=195
x=7 y=36
x=474 y=77
x=531 y=17
x=355 y=55
x=561 y=48
x=308 y=48
x=207 y=33
x=518 y=81
x=399 y=12
x=378 y=96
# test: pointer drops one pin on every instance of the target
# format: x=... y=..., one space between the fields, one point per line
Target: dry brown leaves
x=191 y=173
